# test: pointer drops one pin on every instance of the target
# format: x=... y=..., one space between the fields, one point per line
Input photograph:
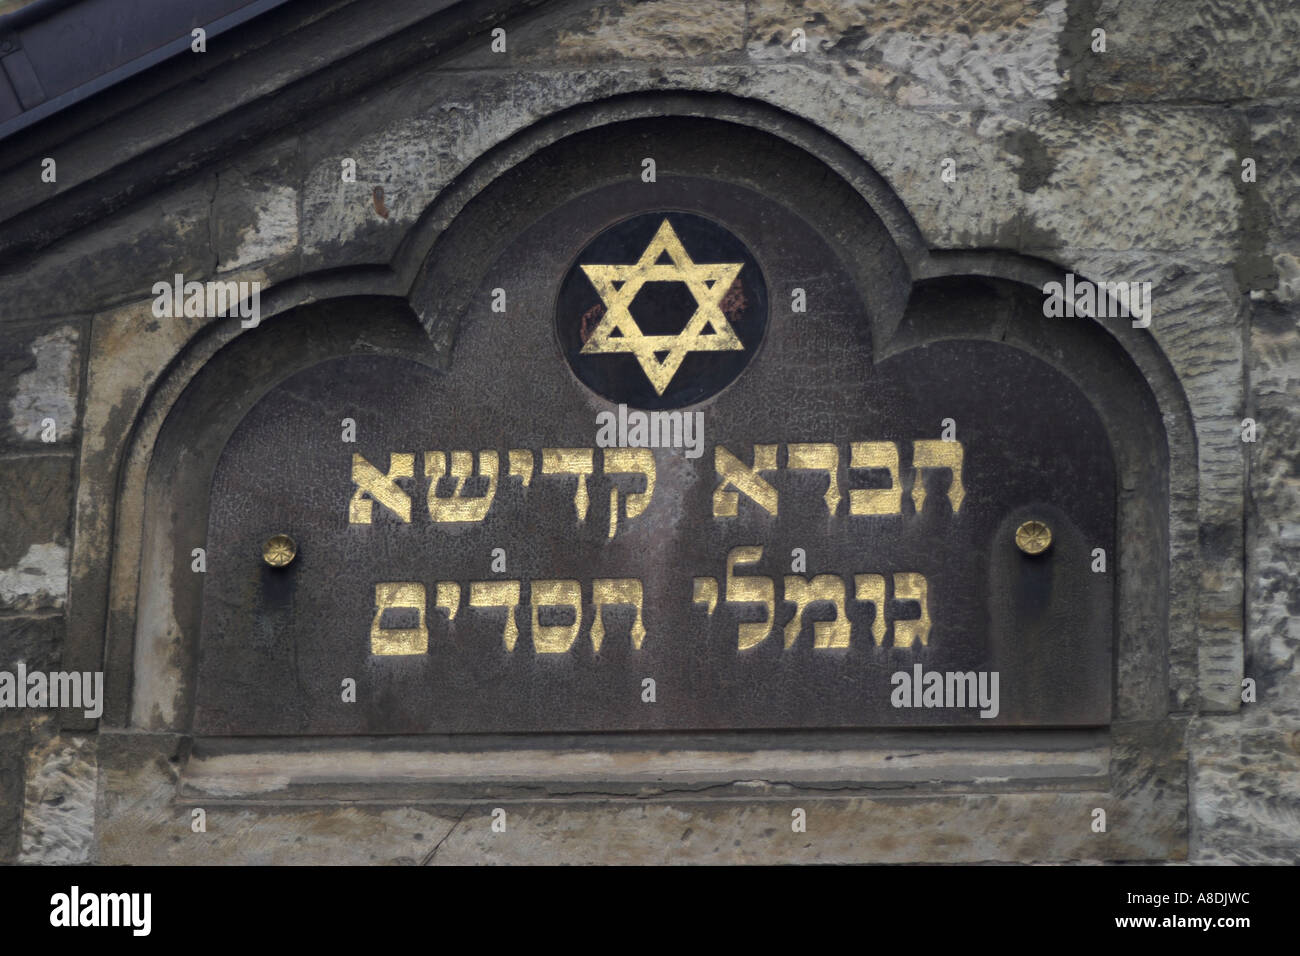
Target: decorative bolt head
x=1033 y=537
x=279 y=550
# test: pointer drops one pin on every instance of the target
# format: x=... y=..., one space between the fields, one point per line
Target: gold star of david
x=618 y=286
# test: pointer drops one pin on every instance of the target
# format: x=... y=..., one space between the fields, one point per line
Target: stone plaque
x=661 y=492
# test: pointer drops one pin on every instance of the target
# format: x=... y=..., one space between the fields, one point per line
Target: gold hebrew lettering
x=521 y=464
x=605 y=591
x=457 y=507
x=750 y=590
x=498 y=594
x=801 y=593
x=870 y=589
x=821 y=457
x=448 y=598
x=555 y=638
x=911 y=586
x=936 y=453
x=380 y=487
x=571 y=461
x=737 y=474
x=392 y=641
x=706 y=593
x=623 y=461
x=876 y=501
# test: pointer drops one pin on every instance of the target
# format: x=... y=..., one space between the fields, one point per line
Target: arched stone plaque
x=824 y=539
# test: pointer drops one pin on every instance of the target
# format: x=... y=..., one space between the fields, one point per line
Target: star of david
x=618 y=286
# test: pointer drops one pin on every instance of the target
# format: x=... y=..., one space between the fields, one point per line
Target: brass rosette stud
x=1033 y=537
x=279 y=550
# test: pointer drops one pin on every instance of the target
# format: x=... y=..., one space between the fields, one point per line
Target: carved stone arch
x=918 y=324
x=151 y=634
x=1124 y=376
x=907 y=295
x=603 y=142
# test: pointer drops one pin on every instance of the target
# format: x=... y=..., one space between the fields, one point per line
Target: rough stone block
x=36 y=641
x=1201 y=50
x=13 y=754
x=1131 y=178
x=621 y=31
x=933 y=53
x=35 y=512
x=1273 y=546
x=59 y=817
x=1245 y=792
x=40 y=376
x=1274 y=133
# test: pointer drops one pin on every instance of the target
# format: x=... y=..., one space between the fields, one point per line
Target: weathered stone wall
x=40 y=373
x=1124 y=165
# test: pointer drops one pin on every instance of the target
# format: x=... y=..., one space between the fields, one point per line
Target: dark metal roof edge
x=33 y=13
x=126 y=70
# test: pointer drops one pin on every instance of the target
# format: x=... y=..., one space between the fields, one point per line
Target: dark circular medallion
x=661 y=310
